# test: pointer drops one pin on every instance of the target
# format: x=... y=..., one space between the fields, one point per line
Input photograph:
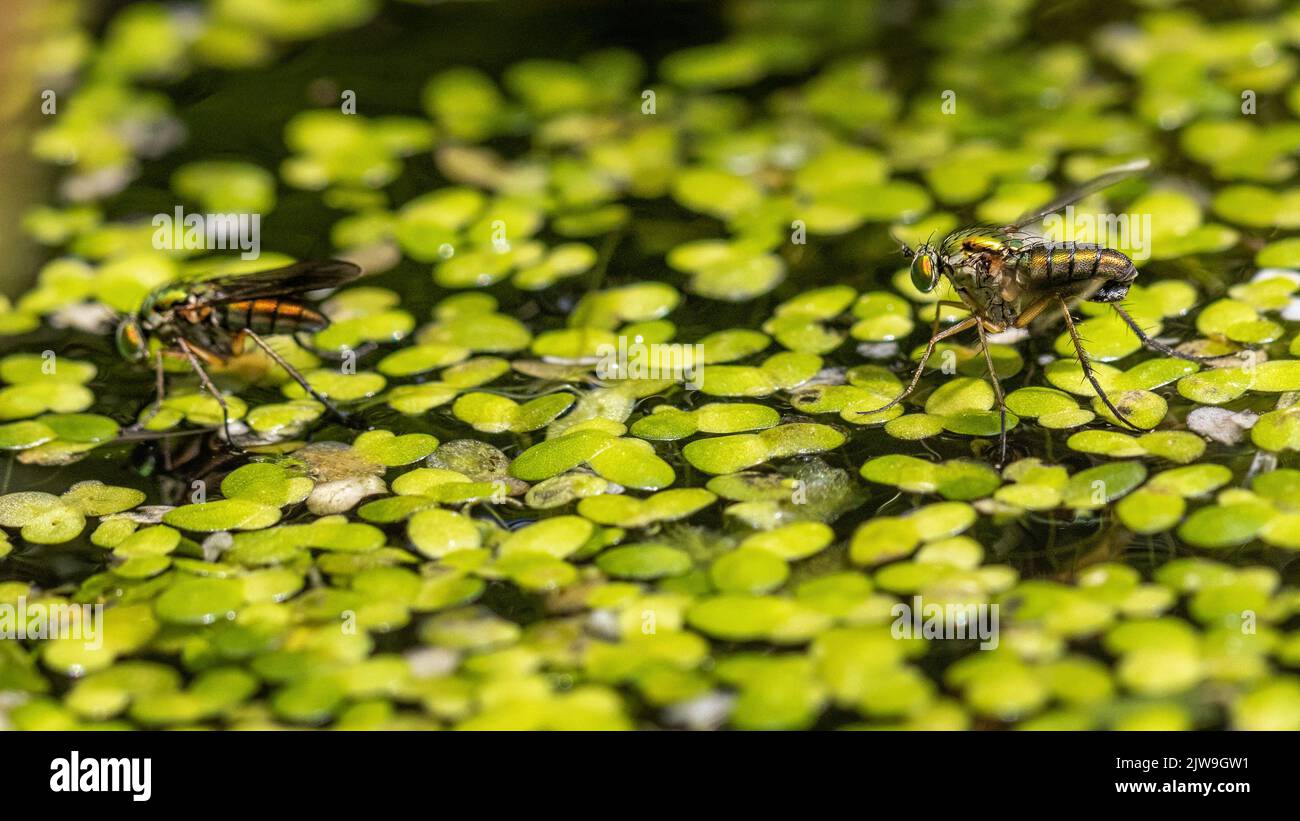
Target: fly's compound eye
x=925 y=272
x=130 y=341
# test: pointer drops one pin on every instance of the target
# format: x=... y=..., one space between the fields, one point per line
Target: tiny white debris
x=1009 y=337
x=604 y=623
x=878 y=350
x=342 y=495
x=1264 y=462
x=742 y=164
x=91 y=317
x=706 y=712
x=431 y=662
x=152 y=138
x=216 y=544
x=1291 y=313
x=564 y=361
x=144 y=515
x=1220 y=424
x=827 y=376
x=9 y=699
x=237 y=428
x=375 y=258
x=98 y=184
x=1270 y=273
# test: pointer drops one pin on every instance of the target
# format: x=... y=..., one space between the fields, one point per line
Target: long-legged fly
x=1006 y=278
x=210 y=320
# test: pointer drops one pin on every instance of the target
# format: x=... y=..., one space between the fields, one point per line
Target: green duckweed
x=510 y=527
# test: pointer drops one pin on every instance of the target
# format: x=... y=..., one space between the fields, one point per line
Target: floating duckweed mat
x=615 y=368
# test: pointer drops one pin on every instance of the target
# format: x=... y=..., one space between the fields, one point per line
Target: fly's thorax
x=987 y=284
x=163 y=299
x=960 y=272
x=153 y=322
x=979 y=239
x=982 y=244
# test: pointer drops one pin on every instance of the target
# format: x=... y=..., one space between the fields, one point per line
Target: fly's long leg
x=207 y=383
x=160 y=391
x=1087 y=366
x=938 y=315
x=297 y=376
x=1154 y=344
x=160 y=377
x=945 y=303
x=160 y=385
x=1031 y=313
x=965 y=324
x=997 y=392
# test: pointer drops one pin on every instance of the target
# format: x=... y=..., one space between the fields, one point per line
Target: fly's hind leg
x=965 y=324
x=298 y=377
x=997 y=392
x=209 y=386
x=1087 y=366
x=160 y=387
x=161 y=379
x=1156 y=345
x=160 y=392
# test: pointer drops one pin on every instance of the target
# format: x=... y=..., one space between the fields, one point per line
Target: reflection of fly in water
x=1006 y=278
x=210 y=320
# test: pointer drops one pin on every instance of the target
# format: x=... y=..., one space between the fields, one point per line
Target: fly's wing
x=297 y=278
x=1119 y=172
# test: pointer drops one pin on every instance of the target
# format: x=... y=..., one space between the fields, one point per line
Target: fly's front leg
x=944 y=303
x=160 y=391
x=211 y=388
x=964 y=325
x=160 y=387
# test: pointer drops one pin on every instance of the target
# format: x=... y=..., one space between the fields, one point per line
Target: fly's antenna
x=903 y=247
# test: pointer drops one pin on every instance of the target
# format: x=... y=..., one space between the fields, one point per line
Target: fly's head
x=131 y=341
x=925 y=267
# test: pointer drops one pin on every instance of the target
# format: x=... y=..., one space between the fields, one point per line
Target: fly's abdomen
x=1071 y=262
x=272 y=316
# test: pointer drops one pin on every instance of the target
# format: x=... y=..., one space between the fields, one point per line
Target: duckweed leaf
x=644 y=562
x=436 y=533
x=266 y=483
x=496 y=414
x=386 y=448
x=340 y=387
x=748 y=570
x=557 y=537
x=224 y=514
x=724 y=218
x=94 y=498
